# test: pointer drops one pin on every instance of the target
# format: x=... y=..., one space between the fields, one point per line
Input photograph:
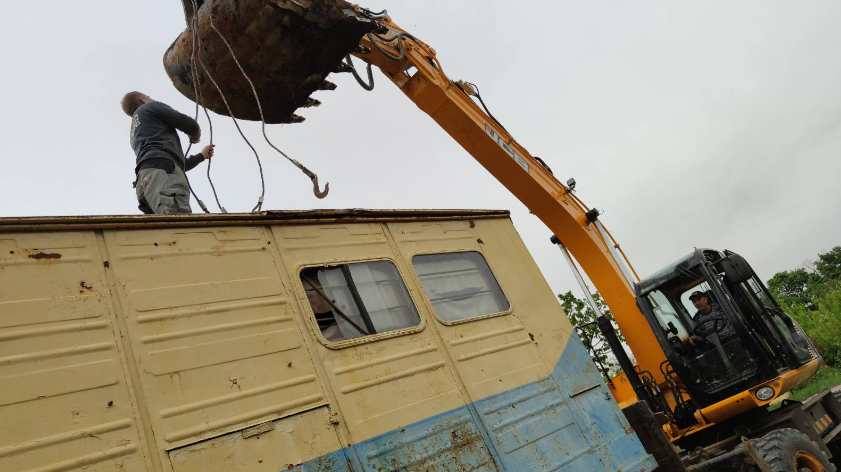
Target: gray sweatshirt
x=154 y=135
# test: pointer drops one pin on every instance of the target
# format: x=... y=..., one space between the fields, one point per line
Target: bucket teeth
x=327 y=85
x=314 y=78
x=311 y=102
x=296 y=119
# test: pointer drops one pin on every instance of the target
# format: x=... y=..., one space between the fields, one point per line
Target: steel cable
x=200 y=99
x=313 y=177
x=195 y=86
x=236 y=124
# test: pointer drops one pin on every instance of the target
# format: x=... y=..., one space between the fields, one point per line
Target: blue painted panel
x=533 y=427
x=333 y=462
x=448 y=442
x=566 y=422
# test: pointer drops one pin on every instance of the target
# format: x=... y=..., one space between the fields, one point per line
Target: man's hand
x=207 y=152
x=694 y=339
x=195 y=139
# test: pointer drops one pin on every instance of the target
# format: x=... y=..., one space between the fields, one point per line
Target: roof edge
x=62 y=223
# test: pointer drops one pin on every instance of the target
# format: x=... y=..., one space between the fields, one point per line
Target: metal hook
x=318 y=193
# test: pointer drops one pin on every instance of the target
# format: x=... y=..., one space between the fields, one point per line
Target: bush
x=822 y=324
x=812 y=296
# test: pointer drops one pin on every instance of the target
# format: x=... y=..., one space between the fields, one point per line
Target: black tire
x=789 y=450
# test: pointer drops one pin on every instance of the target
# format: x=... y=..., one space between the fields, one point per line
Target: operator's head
x=701 y=300
x=132 y=101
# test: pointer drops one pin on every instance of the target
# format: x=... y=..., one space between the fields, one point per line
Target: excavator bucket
x=286 y=47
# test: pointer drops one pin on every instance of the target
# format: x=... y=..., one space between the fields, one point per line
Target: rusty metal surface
x=287 y=48
x=64 y=223
x=65 y=401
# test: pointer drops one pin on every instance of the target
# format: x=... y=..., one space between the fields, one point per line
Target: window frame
x=464 y=320
x=336 y=345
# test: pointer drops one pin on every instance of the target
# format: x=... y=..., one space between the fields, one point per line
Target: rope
x=195 y=86
x=313 y=177
x=200 y=98
x=236 y=124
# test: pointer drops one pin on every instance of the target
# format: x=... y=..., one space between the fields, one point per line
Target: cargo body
x=309 y=341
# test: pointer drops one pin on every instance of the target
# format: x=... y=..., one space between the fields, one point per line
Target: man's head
x=701 y=300
x=132 y=101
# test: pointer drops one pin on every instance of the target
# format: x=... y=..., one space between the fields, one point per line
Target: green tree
x=795 y=287
x=828 y=266
x=800 y=287
x=582 y=316
x=812 y=296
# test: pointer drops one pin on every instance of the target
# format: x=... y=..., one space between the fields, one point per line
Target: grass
x=823 y=379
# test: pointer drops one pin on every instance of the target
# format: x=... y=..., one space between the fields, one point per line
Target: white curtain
x=459 y=285
x=382 y=291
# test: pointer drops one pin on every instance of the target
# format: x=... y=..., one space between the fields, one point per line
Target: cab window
x=459 y=285
x=360 y=299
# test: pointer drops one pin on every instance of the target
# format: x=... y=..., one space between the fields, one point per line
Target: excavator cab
x=730 y=337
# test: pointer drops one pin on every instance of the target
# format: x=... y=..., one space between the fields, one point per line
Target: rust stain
x=472 y=224
x=45 y=255
x=85 y=285
x=479 y=240
x=531 y=336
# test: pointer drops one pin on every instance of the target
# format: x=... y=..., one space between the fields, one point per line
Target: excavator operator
x=161 y=184
x=710 y=318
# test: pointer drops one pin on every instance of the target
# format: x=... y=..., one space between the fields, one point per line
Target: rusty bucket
x=286 y=47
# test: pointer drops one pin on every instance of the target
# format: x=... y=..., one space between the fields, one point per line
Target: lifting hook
x=318 y=193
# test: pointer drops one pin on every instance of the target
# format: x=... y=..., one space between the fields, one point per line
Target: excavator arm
x=413 y=67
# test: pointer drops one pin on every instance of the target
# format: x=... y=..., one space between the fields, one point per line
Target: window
x=667 y=315
x=459 y=285
x=763 y=297
x=360 y=299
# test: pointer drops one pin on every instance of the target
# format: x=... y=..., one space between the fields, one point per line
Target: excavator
x=698 y=390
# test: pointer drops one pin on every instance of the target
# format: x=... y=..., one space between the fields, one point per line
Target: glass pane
x=384 y=295
x=459 y=285
x=353 y=300
x=666 y=314
x=763 y=297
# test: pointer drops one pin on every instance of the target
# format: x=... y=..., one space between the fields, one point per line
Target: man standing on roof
x=161 y=180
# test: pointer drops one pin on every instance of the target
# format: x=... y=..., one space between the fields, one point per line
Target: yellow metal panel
x=383 y=384
x=497 y=353
x=285 y=443
x=212 y=331
x=64 y=402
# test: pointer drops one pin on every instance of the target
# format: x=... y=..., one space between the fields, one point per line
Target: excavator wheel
x=286 y=47
x=789 y=450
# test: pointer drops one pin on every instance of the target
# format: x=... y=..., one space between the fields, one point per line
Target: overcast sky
x=710 y=124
